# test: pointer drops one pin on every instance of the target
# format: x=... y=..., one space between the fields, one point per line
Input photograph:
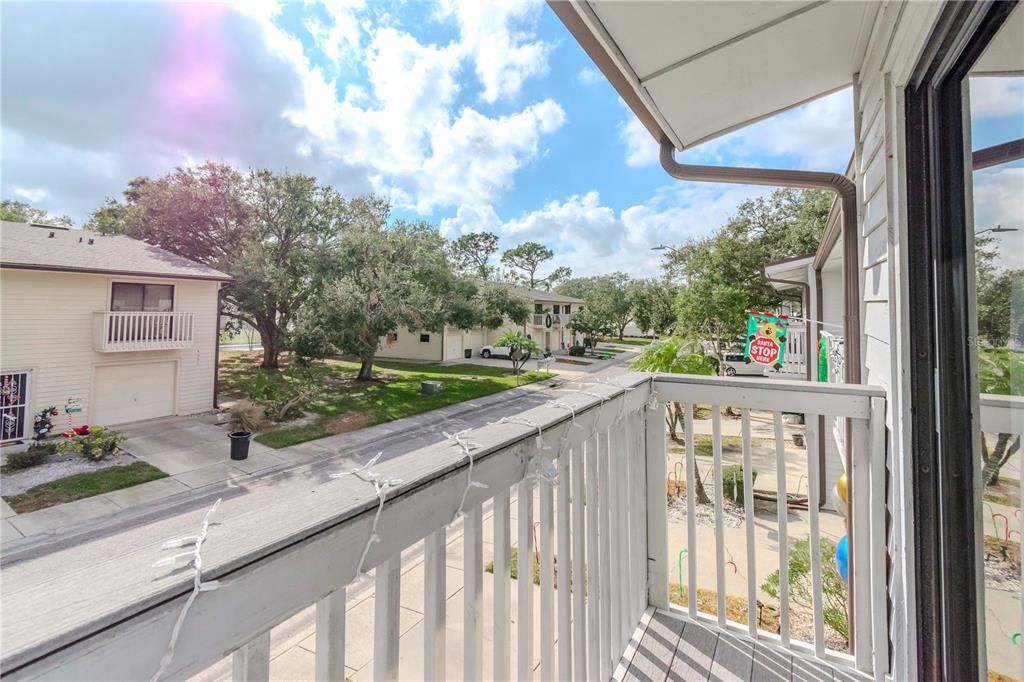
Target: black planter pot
x=240 y=444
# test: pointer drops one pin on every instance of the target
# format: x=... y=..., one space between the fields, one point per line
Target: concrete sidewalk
x=195 y=454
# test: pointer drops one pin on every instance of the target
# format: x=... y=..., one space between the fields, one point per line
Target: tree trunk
x=995 y=460
x=271 y=350
x=366 y=368
x=675 y=415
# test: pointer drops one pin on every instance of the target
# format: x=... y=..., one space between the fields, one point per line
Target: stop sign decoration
x=763 y=350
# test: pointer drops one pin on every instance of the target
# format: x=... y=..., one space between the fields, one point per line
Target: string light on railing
x=467 y=449
x=537 y=466
x=381 y=487
x=192 y=558
x=356 y=472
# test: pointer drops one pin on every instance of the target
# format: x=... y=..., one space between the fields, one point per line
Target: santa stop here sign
x=764 y=351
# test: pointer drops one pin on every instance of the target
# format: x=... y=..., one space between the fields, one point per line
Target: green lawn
x=703 y=446
x=630 y=341
x=345 y=405
x=85 y=485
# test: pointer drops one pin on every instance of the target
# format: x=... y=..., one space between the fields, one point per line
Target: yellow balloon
x=841 y=487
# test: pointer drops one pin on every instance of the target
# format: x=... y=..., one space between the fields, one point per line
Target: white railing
x=864 y=406
x=590 y=467
x=141 y=330
x=557 y=319
x=794 y=361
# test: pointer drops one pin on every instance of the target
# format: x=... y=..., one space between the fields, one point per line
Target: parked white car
x=495 y=352
x=734 y=364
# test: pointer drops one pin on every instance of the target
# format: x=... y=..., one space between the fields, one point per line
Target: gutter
x=839 y=184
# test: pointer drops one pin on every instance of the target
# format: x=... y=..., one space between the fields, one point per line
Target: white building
x=548 y=325
x=107 y=329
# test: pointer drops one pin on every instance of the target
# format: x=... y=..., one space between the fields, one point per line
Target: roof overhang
x=782 y=274
x=692 y=71
x=120 y=273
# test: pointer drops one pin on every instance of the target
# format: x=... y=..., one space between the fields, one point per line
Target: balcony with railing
x=577 y=492
x=117 y=331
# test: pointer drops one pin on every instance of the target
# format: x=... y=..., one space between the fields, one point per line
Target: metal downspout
x=837 y=183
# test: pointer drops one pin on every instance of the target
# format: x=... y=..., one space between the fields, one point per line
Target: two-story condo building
x=107 y=329
x=548 y=326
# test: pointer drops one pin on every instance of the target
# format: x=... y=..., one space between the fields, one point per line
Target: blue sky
x=469 y=115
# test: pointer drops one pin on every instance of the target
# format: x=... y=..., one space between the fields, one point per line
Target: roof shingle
x=38 y=247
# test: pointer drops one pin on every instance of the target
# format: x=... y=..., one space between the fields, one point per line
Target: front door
x=14 y=410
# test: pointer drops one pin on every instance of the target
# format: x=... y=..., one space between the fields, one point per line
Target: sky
x=469 y=119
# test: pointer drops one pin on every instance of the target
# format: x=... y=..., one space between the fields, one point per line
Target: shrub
x=800 y=589
x=577 y=350
x=34 y=456
x=248 y=416
x=282 y=397
x=96 y=445
x=732 y=482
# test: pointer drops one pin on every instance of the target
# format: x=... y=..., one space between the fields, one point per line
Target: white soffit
x=706 y=68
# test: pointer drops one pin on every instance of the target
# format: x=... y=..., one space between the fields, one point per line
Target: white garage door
x=473 y=341
x=128 y=393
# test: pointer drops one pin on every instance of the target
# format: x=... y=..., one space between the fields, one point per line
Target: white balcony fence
x=139 y=330
x=557 y=319
x=590 y=467
x=794 y=361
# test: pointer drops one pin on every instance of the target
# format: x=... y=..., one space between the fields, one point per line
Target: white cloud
x=497 y=37
x=589 y=76
x=593 y=238
x=168 y=84
x=999 y=200
x=997 y=96
x=30 y=194
x=340 y=39
x=641 y=149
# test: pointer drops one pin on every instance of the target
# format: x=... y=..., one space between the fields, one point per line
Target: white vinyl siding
x=408 y=346
x=894 y=47
x=46 y=324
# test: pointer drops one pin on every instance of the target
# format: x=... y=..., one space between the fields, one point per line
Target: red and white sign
x=764 y=351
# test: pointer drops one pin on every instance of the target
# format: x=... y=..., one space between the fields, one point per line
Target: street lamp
x=998 y=229
x=663 y=247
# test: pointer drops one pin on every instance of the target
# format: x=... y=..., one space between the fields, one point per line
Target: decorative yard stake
x=195 y=559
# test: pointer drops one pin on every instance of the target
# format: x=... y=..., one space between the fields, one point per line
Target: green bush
x=732 y=482
x=34 y=456
x=577 y=350
x=800 y=588
x=96 y=445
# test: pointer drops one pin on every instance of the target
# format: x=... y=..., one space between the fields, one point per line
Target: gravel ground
x=53 y=468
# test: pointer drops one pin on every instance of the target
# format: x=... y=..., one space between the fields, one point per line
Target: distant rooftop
x=46 y=247
x=541 y=295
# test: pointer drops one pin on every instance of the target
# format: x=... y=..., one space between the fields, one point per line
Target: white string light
x=538 y=466
x=467 y=449
x=381 y=487
x=356 y=472
x=195 y=559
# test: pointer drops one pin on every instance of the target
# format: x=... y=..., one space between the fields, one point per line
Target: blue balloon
x=842 y=560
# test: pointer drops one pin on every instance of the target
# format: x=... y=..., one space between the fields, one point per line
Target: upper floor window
x=138 y=296
x=566 y=309
x=538 y=307
x=554 y=309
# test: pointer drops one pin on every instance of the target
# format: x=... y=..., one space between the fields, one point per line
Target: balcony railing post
x=657 y=507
